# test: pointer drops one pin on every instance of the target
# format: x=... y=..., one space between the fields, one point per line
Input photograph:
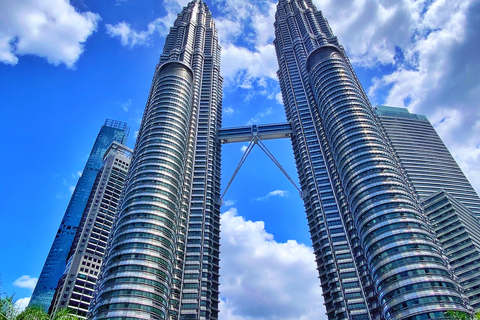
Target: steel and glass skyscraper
x=375 y=250
x=76 y=287
x=425 y=158
x=449 y=200
x=163 y=259
x=57 y=257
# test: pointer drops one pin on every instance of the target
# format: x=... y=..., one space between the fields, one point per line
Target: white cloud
x=379 y=27
x=26 y=282
x=131 y=38
x=51 y=29
x=251 y=57
x=263 y=279
x=228 y=111
x=243 y=66
x=275 y=193
x=244 y=148
x=22 y=303
x=430 y=49
x=228 y=203
x=126 y=105
x=128 y=36
x=260 y=115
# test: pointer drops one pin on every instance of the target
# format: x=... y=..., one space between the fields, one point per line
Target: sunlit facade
x=163 y=258
x=447 y=197
x=57 y=257
x=76 y=287
x=376 y=252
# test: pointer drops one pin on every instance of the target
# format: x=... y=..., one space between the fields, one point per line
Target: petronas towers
x=376 y=252
x=163 y=261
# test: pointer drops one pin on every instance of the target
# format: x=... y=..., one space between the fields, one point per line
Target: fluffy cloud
x=429 y=51
x=263 y=279
x=372 y=30
x=275 y=193
x=22 y=303
x=131 y=38
x=246 y=34
x=25 y=282
x=51 y=29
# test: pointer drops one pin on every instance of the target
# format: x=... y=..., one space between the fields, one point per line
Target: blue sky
x=67 y=66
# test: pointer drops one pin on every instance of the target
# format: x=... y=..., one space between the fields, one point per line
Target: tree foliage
x=8 y=311
x=460 y=315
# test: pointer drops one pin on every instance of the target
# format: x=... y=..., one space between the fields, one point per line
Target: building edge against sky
x=429 y=165
x=449 y=200
x=76 y=287
x=376 y=252
x=57 y=257
x=163 y=257
x=363 y=213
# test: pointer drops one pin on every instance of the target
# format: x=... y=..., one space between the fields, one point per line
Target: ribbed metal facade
x=376 y=253
x=449 y=200
x=163 y=257
x=56 y=260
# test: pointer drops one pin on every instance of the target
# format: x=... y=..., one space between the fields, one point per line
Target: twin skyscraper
x=378 y=254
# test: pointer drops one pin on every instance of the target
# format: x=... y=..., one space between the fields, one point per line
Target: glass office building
x=429 y=165
x=76 y=287
x=57 y=257
x=458 y=230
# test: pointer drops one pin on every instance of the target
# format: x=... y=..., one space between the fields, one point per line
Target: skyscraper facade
x=449 y=200
x=57 y=257
x=376 y=252
x=427 y=162
x=458 y=231
x=76 y=287
x=163 y=257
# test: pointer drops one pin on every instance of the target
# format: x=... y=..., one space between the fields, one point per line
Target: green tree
x=7 y=308
x=37 y=313
x=460 y=315
x=8 y=311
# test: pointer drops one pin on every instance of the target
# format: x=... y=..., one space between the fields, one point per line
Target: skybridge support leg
x=250 y=146
x=255 y=140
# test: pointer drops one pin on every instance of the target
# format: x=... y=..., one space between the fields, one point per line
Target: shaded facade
x=163 y=257
x=57 y=257
x=458 y=230
x=76 y=287
x=376 y=252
